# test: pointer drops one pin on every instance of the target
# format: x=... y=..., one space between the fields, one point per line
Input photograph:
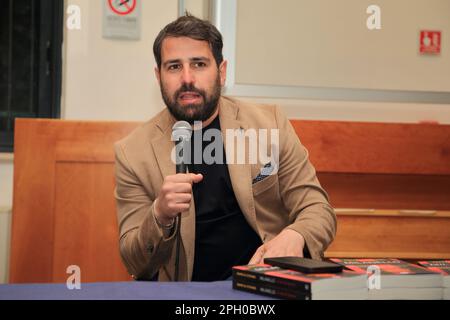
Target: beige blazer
x=292 y=198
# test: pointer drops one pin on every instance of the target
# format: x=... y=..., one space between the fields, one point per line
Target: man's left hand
x=287 y=243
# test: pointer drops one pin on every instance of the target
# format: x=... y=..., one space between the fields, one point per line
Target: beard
x=192 y=112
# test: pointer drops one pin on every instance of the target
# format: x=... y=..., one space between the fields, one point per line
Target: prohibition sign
x=122 y=7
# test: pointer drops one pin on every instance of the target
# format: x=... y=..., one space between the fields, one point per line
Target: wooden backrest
x=389 y=185
x=380 y=165
x=64 y=210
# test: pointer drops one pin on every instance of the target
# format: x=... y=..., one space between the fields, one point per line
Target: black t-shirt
x=223 y=237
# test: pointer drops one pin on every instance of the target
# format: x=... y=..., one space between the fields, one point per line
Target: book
x=406 y=294
x=446 y=295
x=441 y=266
x=394 y=273
x=311 y=285
x=277 y=291
x=272 y=291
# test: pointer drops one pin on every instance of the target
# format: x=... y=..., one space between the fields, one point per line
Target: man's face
x=189 y=78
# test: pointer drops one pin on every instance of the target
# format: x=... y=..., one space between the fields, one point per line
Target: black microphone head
x=181 y=130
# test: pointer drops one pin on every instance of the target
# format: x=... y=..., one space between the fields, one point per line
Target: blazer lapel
x=162 y=145
x=240 y=174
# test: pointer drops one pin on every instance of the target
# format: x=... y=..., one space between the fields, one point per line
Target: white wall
x=6 y=182
x=198 y=8
x=363 y=111
x=326 y=44
x=321 y=48
x=113 y=79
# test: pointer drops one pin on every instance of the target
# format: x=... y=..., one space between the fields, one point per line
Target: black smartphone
x=304 y=265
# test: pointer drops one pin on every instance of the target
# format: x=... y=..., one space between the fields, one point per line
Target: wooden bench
x=64 y=210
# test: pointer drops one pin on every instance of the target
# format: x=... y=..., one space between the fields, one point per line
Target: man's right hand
x=175 y=196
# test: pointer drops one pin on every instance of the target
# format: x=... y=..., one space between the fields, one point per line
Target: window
x=30 y=63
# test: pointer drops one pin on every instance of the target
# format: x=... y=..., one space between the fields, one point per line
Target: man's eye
x=174 y=67
x=199 y=64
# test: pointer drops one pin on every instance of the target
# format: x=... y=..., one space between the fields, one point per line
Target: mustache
x=189 y=88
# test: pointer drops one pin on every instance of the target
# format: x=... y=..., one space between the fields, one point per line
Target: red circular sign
x=122 y=7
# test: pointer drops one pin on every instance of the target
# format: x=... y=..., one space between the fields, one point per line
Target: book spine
x=286 y=283
x=268 y=290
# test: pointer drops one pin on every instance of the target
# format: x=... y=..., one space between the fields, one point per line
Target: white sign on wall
x=122 y=19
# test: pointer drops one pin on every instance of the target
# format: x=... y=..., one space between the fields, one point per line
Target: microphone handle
x=177 y=254
x=180 y=168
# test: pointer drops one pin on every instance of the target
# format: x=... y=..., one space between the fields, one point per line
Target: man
x=231 y=213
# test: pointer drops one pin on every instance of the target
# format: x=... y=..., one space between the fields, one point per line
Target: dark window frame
x=48 y=80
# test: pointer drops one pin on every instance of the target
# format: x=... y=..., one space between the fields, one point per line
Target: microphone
x=181 y=134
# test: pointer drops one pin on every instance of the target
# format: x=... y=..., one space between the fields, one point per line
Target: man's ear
x=158 y=75
x=223 y=72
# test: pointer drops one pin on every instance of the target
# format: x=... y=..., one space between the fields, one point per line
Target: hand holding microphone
x=176 y=192
x=175 y=196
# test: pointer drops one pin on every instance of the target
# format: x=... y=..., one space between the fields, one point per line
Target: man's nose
x=187 y=75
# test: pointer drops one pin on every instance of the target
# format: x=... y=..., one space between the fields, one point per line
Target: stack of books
x=396 y=279
x=442 y=267
x=288 y=284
